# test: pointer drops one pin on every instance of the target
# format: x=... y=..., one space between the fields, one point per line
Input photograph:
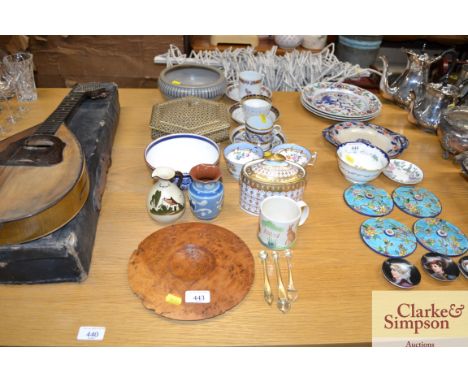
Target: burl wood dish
x=191 y=257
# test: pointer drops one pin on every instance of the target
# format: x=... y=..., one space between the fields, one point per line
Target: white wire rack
x=289 y=72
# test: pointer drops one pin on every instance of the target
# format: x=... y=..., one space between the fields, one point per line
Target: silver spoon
x=267 y=294
x=292 y=291
x=283 y=303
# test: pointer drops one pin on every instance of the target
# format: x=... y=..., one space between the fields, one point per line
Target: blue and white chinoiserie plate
x=388 y=237
x=417 y=201
x=401 y=273
x=440 y=236
x=368 y=200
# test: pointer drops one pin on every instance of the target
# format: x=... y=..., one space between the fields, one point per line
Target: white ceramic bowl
x=361 y=162
x=181 y=152
x=238 y=154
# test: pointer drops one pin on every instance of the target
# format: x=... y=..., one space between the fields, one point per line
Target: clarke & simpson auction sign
x=420 y=319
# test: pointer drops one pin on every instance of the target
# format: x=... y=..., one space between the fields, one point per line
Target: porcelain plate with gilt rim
x=237 y=135
x=417 y=201
x=388 y=237
x=335 y=117
x=232 y=92
x=403 y=172
x=408 y=275
x=440 y=236
x=340 y=99
x=386 y=140
x=463 y=266
x=445 y=268
x=368 y=200
x=237 y=114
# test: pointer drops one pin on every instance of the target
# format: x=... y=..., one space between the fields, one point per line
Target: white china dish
x=361 y=162
x=181 y=152
x=403 y=172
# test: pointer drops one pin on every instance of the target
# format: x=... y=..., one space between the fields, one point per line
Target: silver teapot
x=416 y=74
x=434 y=99
x=453 y=130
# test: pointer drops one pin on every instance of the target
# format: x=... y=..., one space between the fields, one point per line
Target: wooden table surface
x=334 y=271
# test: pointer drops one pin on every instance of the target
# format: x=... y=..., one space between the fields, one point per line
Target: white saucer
x=237 y=114
x=403 y=172
x=238 y=135
x=232 y=92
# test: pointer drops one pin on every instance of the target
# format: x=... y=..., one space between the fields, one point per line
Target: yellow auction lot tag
x=172 y=299
x=175 y=82
x=420 y=318
x=263 y=118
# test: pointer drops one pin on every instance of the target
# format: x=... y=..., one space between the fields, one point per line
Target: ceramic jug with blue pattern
x=206 y=192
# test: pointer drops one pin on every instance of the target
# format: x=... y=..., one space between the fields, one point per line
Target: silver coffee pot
x=426 y=110
x=415 y=75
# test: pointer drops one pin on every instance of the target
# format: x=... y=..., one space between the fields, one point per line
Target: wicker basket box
x=191 y=115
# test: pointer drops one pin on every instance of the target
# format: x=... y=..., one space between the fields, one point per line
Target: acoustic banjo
x=43 y=177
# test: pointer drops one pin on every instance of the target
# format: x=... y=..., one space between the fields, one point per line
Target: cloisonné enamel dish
x=417 y=201
x=386 y=140
x=388 y=237
x=440 y=236
x=368 y=200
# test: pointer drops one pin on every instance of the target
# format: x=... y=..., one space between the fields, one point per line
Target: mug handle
x=180 y=177
x=313 y=158
x=276 y=129
x=304 y=211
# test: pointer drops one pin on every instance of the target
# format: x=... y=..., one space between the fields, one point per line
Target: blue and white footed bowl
x=361 y=162
x=182 y=152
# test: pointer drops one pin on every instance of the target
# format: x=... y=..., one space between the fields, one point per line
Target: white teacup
x=278 y=221
x=250 y=82
x=261 y=130
x=255 y=104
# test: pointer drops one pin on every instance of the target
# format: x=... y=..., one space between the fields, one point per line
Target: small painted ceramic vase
x=165 y=201
x=206 y=192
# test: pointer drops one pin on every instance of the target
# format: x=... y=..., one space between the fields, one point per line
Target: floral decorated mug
x=278 y=221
